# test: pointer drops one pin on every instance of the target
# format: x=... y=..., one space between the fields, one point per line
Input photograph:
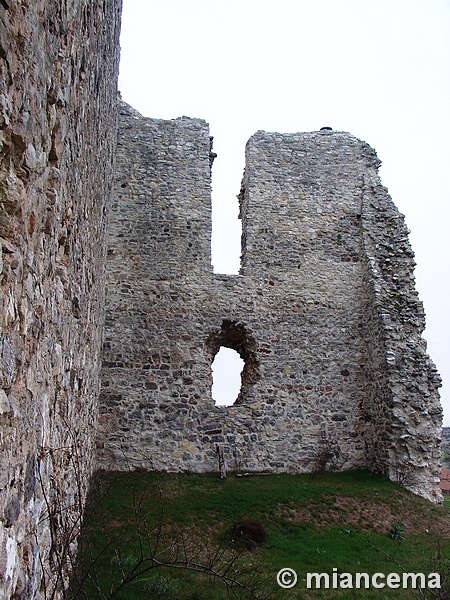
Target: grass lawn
x=171 y=536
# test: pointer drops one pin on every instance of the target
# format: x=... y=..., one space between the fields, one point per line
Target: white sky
x=226 y=368
x=379 y=69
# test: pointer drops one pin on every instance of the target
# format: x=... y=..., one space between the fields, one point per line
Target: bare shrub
x=249 y=533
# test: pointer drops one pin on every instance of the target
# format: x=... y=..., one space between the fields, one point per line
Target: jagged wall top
x=294 y=175
x=171 y=183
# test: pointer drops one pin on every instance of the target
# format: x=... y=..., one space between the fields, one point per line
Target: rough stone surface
x=58 y=74
x=324 y=313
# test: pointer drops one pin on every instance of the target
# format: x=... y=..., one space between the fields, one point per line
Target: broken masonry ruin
x=324 y=313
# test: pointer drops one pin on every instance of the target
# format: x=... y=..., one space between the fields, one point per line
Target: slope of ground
x=192 y=537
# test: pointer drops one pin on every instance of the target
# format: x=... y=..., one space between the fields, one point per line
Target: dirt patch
x=117 y=524
x=368 y=515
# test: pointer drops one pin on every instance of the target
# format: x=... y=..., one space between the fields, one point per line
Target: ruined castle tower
x=324 y=313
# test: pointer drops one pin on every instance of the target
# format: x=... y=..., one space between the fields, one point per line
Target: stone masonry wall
x=404 y=416
x=58 y=74
x=308 y=313
x=324 y=312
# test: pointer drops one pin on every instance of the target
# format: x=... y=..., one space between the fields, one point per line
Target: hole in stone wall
x=226 y=369
x=235 y=336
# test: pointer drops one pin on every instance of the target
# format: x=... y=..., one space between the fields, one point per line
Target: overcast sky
x=379 y=69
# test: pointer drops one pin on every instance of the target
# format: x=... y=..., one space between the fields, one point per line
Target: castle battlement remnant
x=324 y=312
x=111 y=314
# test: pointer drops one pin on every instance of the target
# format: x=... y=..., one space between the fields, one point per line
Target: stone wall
x=324 y=313
x=404 y=415
x=58 y=74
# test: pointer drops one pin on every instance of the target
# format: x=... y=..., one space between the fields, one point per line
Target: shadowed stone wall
x=324 y=313
x=58 y=74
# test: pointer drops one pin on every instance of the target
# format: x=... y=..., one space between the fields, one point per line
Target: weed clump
x=397 y=531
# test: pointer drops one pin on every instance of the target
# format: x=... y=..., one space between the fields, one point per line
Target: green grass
x=314 y=522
